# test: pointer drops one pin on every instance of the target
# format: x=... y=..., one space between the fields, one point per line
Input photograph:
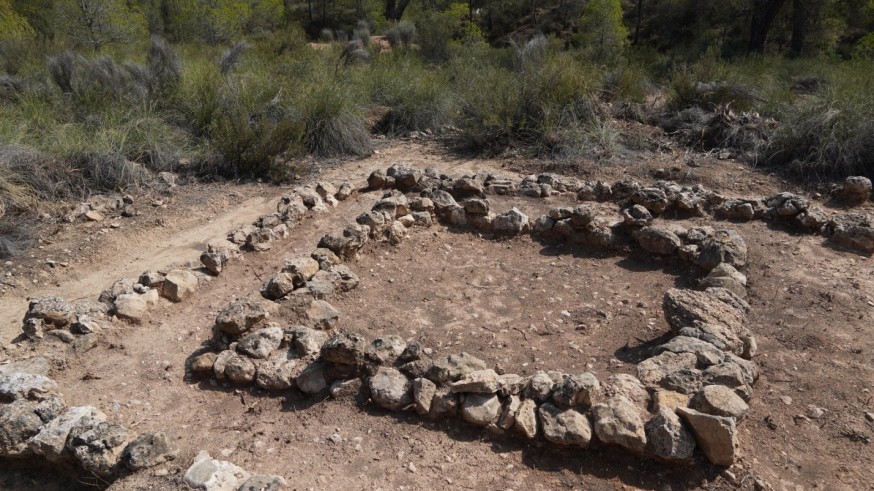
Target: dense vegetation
x=98 y=94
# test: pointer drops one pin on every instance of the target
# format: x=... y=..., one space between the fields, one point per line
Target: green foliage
x=12 y=25
x=602 y=33
x=97 y=23
x=419 y=98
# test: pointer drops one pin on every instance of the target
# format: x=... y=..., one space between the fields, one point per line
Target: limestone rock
x=313 y=379
x=618 y=422
x=480 y=409
x=719 y=400
x=179 y=284
x=453 y=367
x=478 y=382
x=852 y=230
x=513 y=222
x=149 y=450
x=716 y=435
x=301 y=269
x=51 y=310
x=444 y=403
x=322 y=315
x=723 y=246
x=259 y=344
x=21 y=420
x=245 y=314
x=51 y=440
x=657 y=240
x=577 y=390
x=277 y=374
x=203 y=363
x=385 y=349
x=526 y=419
x=214 y=475
x=345 y=348
x=667 y=438
x=423 y=395
x=390 y=389
x=263 y=482
x=565 y=426
x=540 y=386
x=23 y=385
x=98 y=448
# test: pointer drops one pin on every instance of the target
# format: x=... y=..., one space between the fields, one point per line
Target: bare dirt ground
x=520 y=304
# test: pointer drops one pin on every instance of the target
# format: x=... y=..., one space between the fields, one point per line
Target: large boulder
x=51 y=310
x=21 y=420
x=23 y=385
x=719 y=400
x=513 y=222
x=98 y=448
x=856 y=189
x=261 y=343
x=51 y=440
x=214 y=475
x=345 y=349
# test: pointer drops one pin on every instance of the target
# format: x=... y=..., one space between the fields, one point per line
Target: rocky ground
x=521 y=304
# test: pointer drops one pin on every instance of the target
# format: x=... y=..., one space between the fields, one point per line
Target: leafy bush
x=334 y=122
x=419 y=98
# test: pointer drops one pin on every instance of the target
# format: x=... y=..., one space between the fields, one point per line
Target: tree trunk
x=394 y=9
x=639 y=20
x=764 y=13
x=799 y=27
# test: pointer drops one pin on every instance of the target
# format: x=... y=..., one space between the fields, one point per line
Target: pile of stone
x=130 y=299
x=853 y=230
x=100 y=207
x=220 y=475
x=689 y=394
x=35 y=423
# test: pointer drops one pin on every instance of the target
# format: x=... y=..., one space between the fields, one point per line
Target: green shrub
x=419 y=98
x=335 y=125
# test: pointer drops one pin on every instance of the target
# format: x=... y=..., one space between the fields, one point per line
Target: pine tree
x=96 y=23
x=602 y=32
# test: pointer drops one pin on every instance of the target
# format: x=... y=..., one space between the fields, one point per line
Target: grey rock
x=453 y=367
x=513 y=222
x=723 y=246
x=325 y=257
x=51 y=440
x=263 y=482
x=98 y=448
x=301 y=269
x=479 y=382
x=322 y=315
x=51 y=310
x=390 y=389
x=852 y=230
x=385 y=349
x=306 y=340
x=345 y=348
x=565 y=426
x=657 y=240
x=507 y=419
x=706 y=353
x=278 y=286
x=22 y=419
x=480 y=409
x=239 y=369
x=719 y=400
x=313 y=379
x=540 y=386
x=179 y=284
x=444 y=403
x=716 y=435
x=653 y=199
x=667 y=438
x=618 y=422
x=245 y=314
x=259 y=344
x=214 y=475
x=149 y=450
x=577 y=390
x=23 y=385
x=526 y=419
x=423 y=395
x=277 y=374
x=636 y=216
